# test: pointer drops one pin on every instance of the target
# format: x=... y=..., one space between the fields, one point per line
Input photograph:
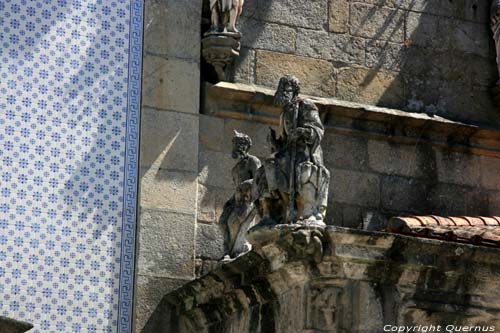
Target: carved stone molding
x=362 y=282
x=220 y=49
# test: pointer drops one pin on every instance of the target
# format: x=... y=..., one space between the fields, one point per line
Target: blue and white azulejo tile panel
x=69 y=127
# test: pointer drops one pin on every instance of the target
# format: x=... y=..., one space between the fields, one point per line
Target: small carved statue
x=239 y=212
x=495 y=27
x=293 y=183
x=225 y=13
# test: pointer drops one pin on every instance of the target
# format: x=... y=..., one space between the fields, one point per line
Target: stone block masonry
x=416 y=55
x=169 y=153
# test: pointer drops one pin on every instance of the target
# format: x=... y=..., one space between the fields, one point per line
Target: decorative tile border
x=70 y=87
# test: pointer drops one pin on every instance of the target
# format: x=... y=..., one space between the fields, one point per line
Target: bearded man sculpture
x=225 y=13
x=294 y=180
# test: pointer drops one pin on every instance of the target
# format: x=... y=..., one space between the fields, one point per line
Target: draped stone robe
x=308 y=164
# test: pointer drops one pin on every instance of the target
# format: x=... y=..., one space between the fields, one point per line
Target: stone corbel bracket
x=220 y=49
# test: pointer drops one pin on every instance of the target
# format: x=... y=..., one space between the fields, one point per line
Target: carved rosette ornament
x=495 y=27
x=221 y=45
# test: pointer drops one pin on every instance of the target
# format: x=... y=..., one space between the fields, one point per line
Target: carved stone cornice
x=254 y=103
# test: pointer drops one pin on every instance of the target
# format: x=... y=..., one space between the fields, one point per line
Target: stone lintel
x=255 y=103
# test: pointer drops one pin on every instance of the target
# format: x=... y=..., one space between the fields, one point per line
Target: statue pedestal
x=220 y=49
x=299 y=242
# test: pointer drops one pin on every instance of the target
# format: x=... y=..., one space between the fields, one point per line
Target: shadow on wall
x=445 y=65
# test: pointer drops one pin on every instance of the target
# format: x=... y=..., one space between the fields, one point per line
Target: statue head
x=288 y=90
x=241 y=145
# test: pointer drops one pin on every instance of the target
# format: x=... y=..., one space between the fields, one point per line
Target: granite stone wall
x=169 y=152
x=433 y=56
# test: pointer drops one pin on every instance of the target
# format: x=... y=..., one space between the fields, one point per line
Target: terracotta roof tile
x=473 y=230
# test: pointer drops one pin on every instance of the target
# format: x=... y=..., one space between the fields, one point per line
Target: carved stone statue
x=225 y=13
x=495 y=27
x=239 y=213
x=221 y=44
x=293 y=184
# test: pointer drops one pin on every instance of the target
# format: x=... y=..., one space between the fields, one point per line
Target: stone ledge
x=255 y=103
x=357 y=267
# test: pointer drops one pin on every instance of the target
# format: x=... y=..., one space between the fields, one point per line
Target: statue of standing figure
x=292 y=186
x=225 y=13
x=239 y=213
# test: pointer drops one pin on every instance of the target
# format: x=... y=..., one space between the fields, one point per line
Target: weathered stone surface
x=452 y=100
x=171 y=84
x=373 y=221
x=244 y=67
x=209 y=241
x=494 y=203
x=366 y=185
x=211 y=133
x=166 y=244
x=397 y=159
x=482 y=72
x=311 y=14
x=149 y=292
x=360 y=84
x=405 y=194
x=364 y=279
x=317 y=76
x=338 y=20
x=268 y=36
x=455 y=200
x=386 y=55
x=169 y=140
x=206 y=204
x=329 y=46
x=170 y=29
x=346 y=152
x=471 y=10
x=215 y=168
x=458 y=168
x=351 y=216
x=377 y=22
x=426 y=30
x=163 y=189
x=489 y=172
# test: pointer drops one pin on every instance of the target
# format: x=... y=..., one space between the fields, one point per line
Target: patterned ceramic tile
x=69 y=125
